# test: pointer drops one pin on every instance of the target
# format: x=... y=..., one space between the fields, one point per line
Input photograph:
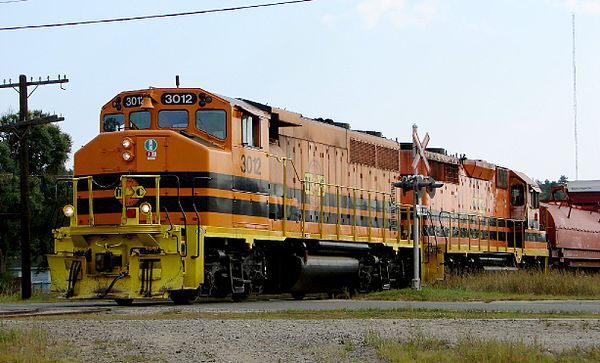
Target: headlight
x=127 y=143
x=127 y=155
x=68 y=210
x=145 y=208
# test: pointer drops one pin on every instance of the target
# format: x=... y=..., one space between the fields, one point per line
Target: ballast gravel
x=200 y=340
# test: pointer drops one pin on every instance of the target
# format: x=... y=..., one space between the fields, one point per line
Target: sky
x=489 y=79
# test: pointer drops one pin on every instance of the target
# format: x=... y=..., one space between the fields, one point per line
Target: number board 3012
x=133 y=100
x=178 y=99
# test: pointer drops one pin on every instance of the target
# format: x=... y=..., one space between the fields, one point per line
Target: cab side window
x=517 y=195
x=250 y=130
x=213 y=122
x=535 y=198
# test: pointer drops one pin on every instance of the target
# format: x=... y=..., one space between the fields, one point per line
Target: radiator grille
x=362 y=153
x=388 y=158
x=372 y=155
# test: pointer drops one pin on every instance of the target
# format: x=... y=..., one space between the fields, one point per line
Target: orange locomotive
x=186 y=193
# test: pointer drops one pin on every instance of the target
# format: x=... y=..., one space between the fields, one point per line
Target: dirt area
x=200 y=340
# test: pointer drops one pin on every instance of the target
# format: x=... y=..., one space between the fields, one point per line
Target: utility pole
x=21 y=128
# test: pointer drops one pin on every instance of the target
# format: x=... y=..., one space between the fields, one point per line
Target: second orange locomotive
x=186 y=193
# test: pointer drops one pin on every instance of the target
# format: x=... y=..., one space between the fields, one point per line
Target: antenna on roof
x=575 y=105
x=177 y=81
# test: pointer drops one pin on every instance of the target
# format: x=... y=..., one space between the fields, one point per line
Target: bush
x=8 y=284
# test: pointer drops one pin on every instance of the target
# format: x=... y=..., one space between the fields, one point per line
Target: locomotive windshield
x=176 y=119
x=139 y=120
x=517 y=195
x=213 y=122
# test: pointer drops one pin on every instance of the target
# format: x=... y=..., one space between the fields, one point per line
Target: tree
x=49 y=150
x=547 y=186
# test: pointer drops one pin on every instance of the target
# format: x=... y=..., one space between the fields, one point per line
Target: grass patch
x=517 y=285
x=468 y=349
x=29 y=345
x=15 y=298
x=341 y=314
x=552 y=283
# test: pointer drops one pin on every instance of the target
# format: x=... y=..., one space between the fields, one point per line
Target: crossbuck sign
x=420 y=148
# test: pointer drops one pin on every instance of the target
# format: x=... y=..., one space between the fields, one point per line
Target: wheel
x=124 y=302
x=239 y=297
x=182 y=297
x=298 y=295
x=242 y=296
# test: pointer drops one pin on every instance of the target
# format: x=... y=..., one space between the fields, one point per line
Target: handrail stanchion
x=497 y=235
x=506 y=230
x=354 y=208
x=123 y=203
x=284 y=221
x=409 y=222
x=90 y=202
x=383 y=224
x=469 y=229
x=321 y=201
x=74 y=218
x=459 y=231
x=339 y=214
x=488 y=234
x=451 y=233
x=157 y=187
x=303 y=201
x=370 y=222
x=479 y=233
x=399 y=222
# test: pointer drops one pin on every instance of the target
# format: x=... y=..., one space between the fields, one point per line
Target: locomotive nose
x=151 y=152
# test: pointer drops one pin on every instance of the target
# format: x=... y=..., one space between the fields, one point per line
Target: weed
x=421 y=348
x=519 y=285
x=30 y=345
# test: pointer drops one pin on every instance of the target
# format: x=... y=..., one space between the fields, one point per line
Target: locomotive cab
x=525 y=212
x=525 y=199
x=185 y=111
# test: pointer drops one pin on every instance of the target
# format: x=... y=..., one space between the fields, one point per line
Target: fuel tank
x=321 y=273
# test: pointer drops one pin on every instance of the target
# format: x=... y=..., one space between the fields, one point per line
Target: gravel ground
x=199 y=340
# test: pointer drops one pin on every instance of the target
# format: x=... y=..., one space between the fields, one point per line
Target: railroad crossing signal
x=420 y=146
x=419 y=184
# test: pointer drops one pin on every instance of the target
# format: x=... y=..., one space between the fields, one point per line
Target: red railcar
x=572 y=224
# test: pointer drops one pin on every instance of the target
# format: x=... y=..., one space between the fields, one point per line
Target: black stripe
x=174 y=205
x=234 y=207
x=219 y=181
x=186 y=180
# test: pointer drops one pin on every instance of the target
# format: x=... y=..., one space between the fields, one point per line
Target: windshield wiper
x=133 y=126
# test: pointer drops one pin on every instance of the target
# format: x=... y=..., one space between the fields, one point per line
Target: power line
x=12 y=1
x=146 y=17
